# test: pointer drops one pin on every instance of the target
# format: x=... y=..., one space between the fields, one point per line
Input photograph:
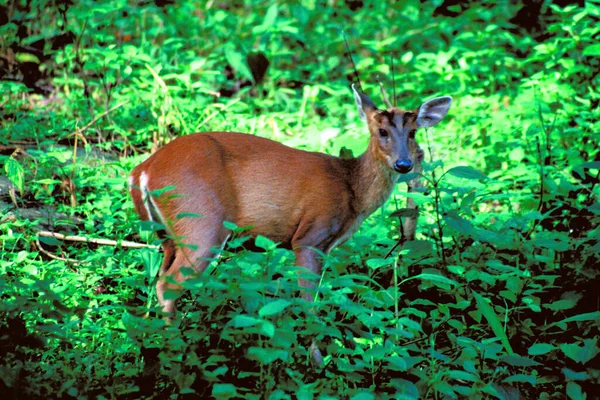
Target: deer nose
x=403 y=166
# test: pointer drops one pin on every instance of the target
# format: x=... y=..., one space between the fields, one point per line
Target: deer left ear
x=432 y=111
x=363 y=103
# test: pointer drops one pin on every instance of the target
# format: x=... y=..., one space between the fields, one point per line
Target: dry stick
x=55 y=257
x=106 y=242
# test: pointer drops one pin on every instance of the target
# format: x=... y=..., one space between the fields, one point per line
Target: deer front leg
x=410 y=223
x=307 y=258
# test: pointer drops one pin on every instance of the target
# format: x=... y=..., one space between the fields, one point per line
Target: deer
x=308 y=202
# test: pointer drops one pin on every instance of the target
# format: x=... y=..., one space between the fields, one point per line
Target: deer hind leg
x=308 y=258
x=195 y=250
x=410 y=223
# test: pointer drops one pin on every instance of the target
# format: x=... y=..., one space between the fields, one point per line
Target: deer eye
x=411 y=134
x=383 y=133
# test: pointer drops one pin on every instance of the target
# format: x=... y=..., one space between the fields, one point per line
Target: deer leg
x=308 y=258
x=410 y=223
x=197 y=253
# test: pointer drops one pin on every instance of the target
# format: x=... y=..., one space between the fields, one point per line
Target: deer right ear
x=432 y=111
x=363 y=103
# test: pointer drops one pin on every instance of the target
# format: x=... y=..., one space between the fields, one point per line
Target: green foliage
x=497 y=297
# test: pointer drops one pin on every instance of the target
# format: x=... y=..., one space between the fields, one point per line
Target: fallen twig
x=106 y=242
x=55 y=257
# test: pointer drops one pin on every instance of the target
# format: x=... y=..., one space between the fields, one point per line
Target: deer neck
x=374 y=182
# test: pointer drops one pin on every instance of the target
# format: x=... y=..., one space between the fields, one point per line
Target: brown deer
x=301 y=199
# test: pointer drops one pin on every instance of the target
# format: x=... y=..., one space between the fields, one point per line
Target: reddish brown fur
x=299 y=198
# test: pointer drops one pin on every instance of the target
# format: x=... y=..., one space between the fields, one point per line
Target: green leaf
x=517 y=154
x=375 y=263
x=593 y=316
x=397 y=363
x=406 y=57
x=433 y=278
x=407 y=177
x=244 y=321
x=592 y=50
x=591 y=164
x=406 y=212
x=561 y=305
x=50 y=241
x=274 y=307
x=580 y=354
x=531 y=379
x=27 y=58
x=265 y=243
x=575 y=375
x=459 y=224
x=463 y=376
x=405 y=390
x=483 y=305
x=467 y=173
x=268 y=329
x=238 y=61
x=267 y=356
x=519 y=361
x=418 y=248
x=540 y=348
x=188 y=215
x=363 y=396
x=574 y=391
x=271 y=16
x=224 y=390
x=15 y=173
x=558 y=245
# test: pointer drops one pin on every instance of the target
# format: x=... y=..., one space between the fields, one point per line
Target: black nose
x=403 y=166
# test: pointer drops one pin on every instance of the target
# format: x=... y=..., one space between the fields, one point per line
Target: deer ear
x=363 y=103
x=432 y=111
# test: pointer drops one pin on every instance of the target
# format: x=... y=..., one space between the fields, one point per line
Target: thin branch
x=55 y=257
x=393 y=78
x=386 y=100
x=106 y=242
x=105 y=113
x=352 y=61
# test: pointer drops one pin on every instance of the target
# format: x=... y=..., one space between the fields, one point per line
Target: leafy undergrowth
x=497 y=298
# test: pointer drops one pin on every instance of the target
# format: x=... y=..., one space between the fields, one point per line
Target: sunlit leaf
x=15 y=173
x=407 y=177
x=592 y=50
x=274 y=307
x=466 y=172
x=265 y=243
x=244 y=321
x=238 y=61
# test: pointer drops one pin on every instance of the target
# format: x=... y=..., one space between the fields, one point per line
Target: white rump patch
x=152 y=208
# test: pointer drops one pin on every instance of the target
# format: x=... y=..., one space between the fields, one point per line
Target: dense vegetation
x=498 y=297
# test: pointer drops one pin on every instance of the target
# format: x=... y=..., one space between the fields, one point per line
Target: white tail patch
x=152 y=209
